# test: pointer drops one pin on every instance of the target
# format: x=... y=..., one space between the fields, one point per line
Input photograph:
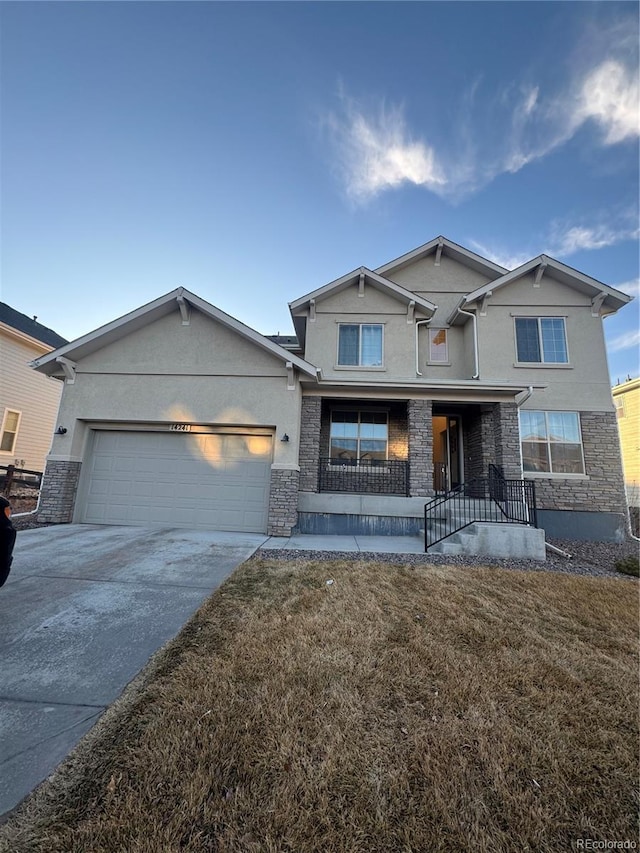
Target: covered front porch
x=402 y=448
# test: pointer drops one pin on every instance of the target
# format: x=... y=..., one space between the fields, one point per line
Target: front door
x=447 y=456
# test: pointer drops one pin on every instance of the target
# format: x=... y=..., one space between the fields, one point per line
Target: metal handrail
x=493 y=499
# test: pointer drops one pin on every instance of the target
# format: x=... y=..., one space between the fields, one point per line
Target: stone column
x=58 y=493
x=309 y=454
x=506 y=436
x=283 y=501
x=420 y=428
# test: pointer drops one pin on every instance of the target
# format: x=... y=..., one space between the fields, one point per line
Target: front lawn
x=396 y=708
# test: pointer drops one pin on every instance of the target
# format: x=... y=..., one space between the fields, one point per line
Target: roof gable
x=442 y=245
x=176 y=300
x=600 y=294
x=366 y=277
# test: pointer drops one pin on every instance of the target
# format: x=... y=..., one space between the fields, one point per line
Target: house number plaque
x=180 y=427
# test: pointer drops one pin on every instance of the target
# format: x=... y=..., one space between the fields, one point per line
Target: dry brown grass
x=398 y=709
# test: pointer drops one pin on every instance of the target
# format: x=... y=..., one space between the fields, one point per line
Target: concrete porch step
x=503 y=541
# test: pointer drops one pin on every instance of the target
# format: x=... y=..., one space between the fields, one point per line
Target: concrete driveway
x=84 y=608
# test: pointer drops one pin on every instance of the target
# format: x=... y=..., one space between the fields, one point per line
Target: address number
x=180 y=427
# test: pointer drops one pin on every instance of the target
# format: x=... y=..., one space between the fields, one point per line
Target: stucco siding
x=165 y=346
x=584 y=381
x=170 y=373
x=424 y=277
x=36 y=396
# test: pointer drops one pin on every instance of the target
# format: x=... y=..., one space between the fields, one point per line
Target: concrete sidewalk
x=84 y=608
x=366 y=544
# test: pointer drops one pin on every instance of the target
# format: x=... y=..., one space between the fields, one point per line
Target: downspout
x=419 y=323
x=31 y=511
x=524 y=396
x=476 y=357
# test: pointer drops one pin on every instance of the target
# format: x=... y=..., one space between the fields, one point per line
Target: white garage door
x=217 y=482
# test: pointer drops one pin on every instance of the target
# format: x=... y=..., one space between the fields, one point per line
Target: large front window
x=541 y=340
x=360 y=345
x=551 y=442
x=358 y=436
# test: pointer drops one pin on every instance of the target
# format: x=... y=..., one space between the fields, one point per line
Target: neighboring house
x=626 y=399
x=401 y=381
x=28 y=401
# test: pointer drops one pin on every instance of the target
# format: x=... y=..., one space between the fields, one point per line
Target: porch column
x=420 y=427
x=506 y=434
x=309 y=457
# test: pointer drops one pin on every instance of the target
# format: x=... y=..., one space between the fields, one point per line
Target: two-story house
x=401 y=382
x=28 y=401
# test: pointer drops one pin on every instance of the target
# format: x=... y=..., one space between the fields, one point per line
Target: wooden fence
x=10 y=477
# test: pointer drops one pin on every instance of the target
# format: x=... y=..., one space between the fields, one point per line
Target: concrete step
x=494 y=540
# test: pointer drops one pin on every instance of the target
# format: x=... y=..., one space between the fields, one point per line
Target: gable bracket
x=69 y=369
x=312 y=310
x=185 y=310
x=290 y=376
x=539 y=274
x=596 y=304
x=411 y=308
x=483 y=303
x=361 y=284
x=439 y=252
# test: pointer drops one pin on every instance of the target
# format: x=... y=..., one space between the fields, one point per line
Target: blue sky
x=252 y=152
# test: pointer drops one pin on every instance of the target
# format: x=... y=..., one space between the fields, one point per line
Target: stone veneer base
x=58 y=495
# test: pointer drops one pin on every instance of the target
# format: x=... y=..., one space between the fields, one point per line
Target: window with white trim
x=358 y=435
x=10 y=426
x=551 y=442
x=438 y=346
x=360 y=344
x=541 y=340
x=619 y=404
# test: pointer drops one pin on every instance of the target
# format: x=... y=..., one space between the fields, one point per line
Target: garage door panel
x=214 y=481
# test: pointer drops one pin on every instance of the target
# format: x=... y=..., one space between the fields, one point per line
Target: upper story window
x=541 y=340
x=357 y=435
x=619 y=404
x=10 y=425
x=438 y=346
x=360 y=344
x=551 y=442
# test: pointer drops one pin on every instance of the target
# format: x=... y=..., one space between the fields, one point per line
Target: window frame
x=359 y=365
x=618 y=402
x=359 y=438
x=538 y=318
x=548 y=444
x=430 y=359
x=4 y=430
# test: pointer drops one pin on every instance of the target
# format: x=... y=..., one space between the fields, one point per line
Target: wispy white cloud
x=509 y=260
x=565 y=239
x=610 y=95
x=632 y=288
x=377 y=150
x=378 y=153
x=626 y=340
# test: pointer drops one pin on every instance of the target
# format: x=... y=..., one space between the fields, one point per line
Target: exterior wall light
x=285 y=437
x=61 y=430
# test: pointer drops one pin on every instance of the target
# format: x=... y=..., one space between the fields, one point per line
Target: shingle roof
x=29 y=326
